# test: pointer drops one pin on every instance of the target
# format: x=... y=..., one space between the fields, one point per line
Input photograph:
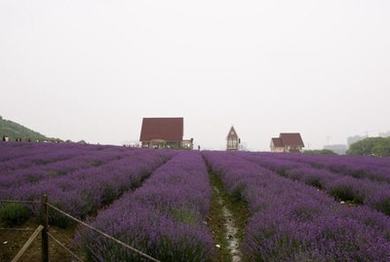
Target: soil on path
x=227 y=220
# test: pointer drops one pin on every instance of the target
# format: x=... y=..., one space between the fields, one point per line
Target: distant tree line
x=371 y=146
x=319 y=152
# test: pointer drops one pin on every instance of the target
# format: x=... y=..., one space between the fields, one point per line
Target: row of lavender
x=293 y=222
x=15 y=156
x=164 y=218
x=77 y=159
x=17 y=150
x=83 y=183
x=343 y=187
x=373 y=168
x=39 y=162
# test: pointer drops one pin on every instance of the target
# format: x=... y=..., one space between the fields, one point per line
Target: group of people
x=18 y=139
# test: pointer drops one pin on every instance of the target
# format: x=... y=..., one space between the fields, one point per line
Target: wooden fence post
x=45 y=222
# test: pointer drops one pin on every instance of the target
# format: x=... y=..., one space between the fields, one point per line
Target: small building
x=233 y=141
x=277 y=145
x=164 y=133
x=287 y=142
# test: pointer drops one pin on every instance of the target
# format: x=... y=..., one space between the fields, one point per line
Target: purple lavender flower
x=163 y=218
x=291 y=221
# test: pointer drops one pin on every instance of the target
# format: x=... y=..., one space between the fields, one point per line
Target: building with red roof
x=287 y=142
x=164 y=132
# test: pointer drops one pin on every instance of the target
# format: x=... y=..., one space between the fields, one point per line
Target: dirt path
x=11 y=241
x=227 y=220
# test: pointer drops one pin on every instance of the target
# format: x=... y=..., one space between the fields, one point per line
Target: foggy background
x=91 y=69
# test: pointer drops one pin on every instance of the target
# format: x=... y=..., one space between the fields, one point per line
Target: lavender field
x=171 y=204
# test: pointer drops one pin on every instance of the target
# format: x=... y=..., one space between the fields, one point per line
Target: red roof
x=291 y=139
x=277 y=142
x=169 y=129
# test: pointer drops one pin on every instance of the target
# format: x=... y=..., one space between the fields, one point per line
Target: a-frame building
x=233 y=141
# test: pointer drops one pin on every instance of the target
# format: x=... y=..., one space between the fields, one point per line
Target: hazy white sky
x=91 y=69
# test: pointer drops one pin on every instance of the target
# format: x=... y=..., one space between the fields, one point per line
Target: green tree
x=383 y=148
x=378 y=146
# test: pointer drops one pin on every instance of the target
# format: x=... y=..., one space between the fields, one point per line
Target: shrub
x=347 y=193
x=383 y=206
x=96 y=163
x=237 y=193
x=13 y=214
x=314 y=181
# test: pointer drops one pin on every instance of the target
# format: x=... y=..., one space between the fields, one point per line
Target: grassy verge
x=216 y=219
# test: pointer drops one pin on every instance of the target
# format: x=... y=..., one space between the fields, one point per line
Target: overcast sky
x=91 y=69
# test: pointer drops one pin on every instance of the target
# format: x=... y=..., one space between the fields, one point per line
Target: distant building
x=287 y=142
x=233 y=141
x=164 y=133
x=338 y=149
x=385 y=134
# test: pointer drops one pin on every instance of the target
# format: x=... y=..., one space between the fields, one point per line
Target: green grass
x=12 y=214
x=216 y=219
x=384 y=206
x=183 y=215
x=347 y=193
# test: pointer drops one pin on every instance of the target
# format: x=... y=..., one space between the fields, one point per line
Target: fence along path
x=43 y=229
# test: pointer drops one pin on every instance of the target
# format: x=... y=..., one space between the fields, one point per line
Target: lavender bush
x=40 y=154
x=36 y=173
x=293 y=222
x=165 y=214
x=163 y=218
x=343 y=187
x=377 y=169
x=85 y=184
x=14 y=150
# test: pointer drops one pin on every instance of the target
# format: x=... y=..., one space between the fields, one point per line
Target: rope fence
x=104 y=234
x=43 y=228
x=64 y=247
x=27 y=244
